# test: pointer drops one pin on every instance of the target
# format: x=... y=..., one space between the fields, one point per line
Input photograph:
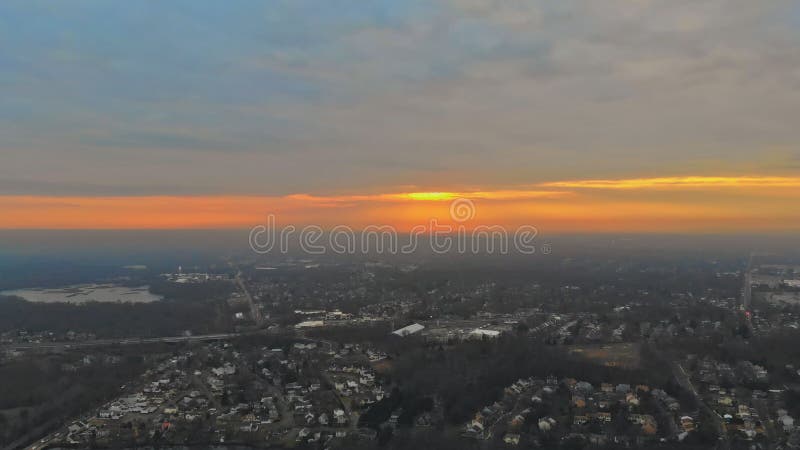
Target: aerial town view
x=600 y=350
x=400 y=225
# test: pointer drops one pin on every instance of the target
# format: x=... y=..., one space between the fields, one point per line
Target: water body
x=83 y=293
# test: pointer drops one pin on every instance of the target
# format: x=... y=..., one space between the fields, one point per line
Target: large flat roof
x=411 y=329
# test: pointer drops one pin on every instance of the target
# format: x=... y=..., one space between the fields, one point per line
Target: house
x=584 y=387
x=631 y=399
x=339 y=417
x=511 y=438
x=480 y=333
x=672 y=404
x=226 y=369
x=647 y=422
x=424 y=420
x=687 y=423
x=787 y=422
x=597 y=439
x=395 y=416
x=475 y=428
x=546 y=424
x=649 y=428
x=603 y=416
x=743 y=411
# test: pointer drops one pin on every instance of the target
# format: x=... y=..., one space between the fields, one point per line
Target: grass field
x=624 y=355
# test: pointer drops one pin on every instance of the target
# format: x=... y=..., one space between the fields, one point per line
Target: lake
x=83 y=293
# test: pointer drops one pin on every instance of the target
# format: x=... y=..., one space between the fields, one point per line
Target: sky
x=564 y=115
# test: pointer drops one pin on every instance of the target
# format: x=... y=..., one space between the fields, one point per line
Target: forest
x=112 y=320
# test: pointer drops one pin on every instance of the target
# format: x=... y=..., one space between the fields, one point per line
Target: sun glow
x=431 y=196
x=752 y=203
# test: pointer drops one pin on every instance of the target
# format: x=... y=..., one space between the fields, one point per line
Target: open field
x=611 y=355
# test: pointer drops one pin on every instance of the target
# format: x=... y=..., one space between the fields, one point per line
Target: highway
x=120 y=341
x=66 y=345
x=255 y=311
x=747 y=289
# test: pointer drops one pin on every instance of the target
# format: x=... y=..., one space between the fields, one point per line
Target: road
x=685 y=381
x=747 y=290
x=31 y=435
x=255 y=311
x=156 y=340
x=62 y=345
x=120 y=341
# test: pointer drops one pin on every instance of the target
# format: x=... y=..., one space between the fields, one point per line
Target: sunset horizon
x=400 y=224
x=570 y=116
x=659 y=204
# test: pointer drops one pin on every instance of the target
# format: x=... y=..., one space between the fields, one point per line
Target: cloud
x=156 y=140
x=435 y=196
x=590 y=206
x=682 y=183
x=19 y=186
x=314 y=96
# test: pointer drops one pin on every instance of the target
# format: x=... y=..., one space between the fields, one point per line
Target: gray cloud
x=16 y=186
x=304 y=97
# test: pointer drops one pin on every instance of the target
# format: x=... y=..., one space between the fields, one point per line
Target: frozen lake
x=86 y=293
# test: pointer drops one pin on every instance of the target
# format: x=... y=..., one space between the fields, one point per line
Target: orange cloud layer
x=681 y=183
x=681 y=204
